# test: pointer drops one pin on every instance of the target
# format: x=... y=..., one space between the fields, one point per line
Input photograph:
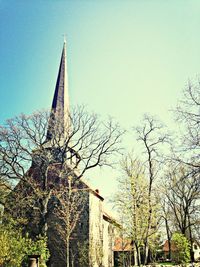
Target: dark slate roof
x=60 y=102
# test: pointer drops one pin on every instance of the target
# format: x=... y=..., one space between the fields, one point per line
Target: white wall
x=95 y=231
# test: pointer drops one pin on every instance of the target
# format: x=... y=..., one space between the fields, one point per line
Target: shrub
x=15 y=248
x=182 y=248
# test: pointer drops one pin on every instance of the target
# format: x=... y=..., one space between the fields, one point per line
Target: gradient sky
x=125 y=58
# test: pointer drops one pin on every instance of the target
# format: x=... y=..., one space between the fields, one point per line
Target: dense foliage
x=181 y=253
x=15 y=248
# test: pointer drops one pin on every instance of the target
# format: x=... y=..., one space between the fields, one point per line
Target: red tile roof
x=166 y=246
x=122 y=245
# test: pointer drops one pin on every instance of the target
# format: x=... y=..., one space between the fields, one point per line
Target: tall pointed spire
x=60 y=105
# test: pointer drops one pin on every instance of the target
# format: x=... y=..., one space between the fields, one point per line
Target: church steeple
x=60 y=105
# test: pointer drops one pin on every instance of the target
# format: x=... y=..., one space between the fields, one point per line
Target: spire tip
x=64 y=37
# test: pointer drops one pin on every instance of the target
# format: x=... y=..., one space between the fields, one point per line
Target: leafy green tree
x=181 y=252
x=15 y=248
x=11 y=246
x=38 y=247
x=132 y=202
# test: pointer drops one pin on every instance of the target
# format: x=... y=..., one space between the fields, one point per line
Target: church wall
x=105 y=243
x=95 y=231
x=109 y=233
x=79 y=246
x=79 y=243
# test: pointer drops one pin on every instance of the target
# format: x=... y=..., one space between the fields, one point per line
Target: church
x=91 y=239
x=96 y=228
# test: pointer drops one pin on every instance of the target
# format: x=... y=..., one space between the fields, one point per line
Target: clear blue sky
x=125 y=58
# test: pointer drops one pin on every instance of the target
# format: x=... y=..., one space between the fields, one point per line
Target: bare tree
x=182 y=198
x=39 y=162
x=188 y=113
x=71 y=202
x=151 y=135
x=132 y=203
x=5 y=189
x=166 y=216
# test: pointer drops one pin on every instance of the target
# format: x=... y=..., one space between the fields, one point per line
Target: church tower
x=59 y=116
